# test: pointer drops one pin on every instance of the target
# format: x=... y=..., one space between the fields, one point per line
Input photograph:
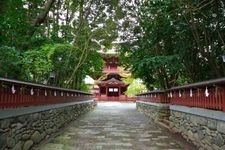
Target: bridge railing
x=117 y=98
x=15 y=93
x=208 y=94
x=158 y=96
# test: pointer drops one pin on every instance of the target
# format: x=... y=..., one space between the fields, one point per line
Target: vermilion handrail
x=208 y=94
x=14 y=93
x=116 y=99
x=157 y=96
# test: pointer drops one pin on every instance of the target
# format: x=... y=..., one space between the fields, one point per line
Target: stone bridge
x=34 y=116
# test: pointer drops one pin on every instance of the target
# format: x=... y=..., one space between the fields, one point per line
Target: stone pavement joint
x=115 y=126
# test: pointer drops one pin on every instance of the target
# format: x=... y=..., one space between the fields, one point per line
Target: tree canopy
x=178 y=42
x=164 y=43
x=39 y=37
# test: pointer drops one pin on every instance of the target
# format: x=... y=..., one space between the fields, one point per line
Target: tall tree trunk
x=81 y=11
x=57 y=17
x=41 y=17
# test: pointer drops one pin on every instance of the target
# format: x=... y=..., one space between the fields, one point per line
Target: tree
x=178 y=42
x=59 y=59
x=73 y=29
x=9 y=60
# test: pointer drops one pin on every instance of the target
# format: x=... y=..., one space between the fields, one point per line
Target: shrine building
x=111 y=85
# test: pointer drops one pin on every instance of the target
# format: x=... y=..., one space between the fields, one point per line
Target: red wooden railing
x=158 y=96
x=15 y=93
x=208 y=94
x=116 y=98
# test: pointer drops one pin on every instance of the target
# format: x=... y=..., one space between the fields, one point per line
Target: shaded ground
x=115 y=126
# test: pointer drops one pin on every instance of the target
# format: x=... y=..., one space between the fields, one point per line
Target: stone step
x=165 y=123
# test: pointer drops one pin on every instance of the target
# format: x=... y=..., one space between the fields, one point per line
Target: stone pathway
x=115 y=126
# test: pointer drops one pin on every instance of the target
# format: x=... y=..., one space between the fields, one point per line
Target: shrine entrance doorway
x=113 y=91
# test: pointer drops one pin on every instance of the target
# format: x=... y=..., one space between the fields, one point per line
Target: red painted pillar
x=223 y=99
x=99 y=91
x=106 y=88
x=119 y=90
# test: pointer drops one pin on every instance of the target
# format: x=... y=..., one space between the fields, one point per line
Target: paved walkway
x=115 y=126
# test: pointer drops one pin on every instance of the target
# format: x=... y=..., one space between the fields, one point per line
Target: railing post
x=223 y=98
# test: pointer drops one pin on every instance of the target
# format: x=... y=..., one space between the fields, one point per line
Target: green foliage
x=9 y=62
x=13 y=24
x=60 y=59
x=135 y=87
x=36 y=64
x=85 y=87
x=66 y=42
x=178 y=42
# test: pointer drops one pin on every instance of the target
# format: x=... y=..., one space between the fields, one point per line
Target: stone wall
x=204 y=128
x=23 y=130
x=156 y=111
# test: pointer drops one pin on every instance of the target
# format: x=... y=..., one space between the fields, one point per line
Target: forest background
x=164 y=43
